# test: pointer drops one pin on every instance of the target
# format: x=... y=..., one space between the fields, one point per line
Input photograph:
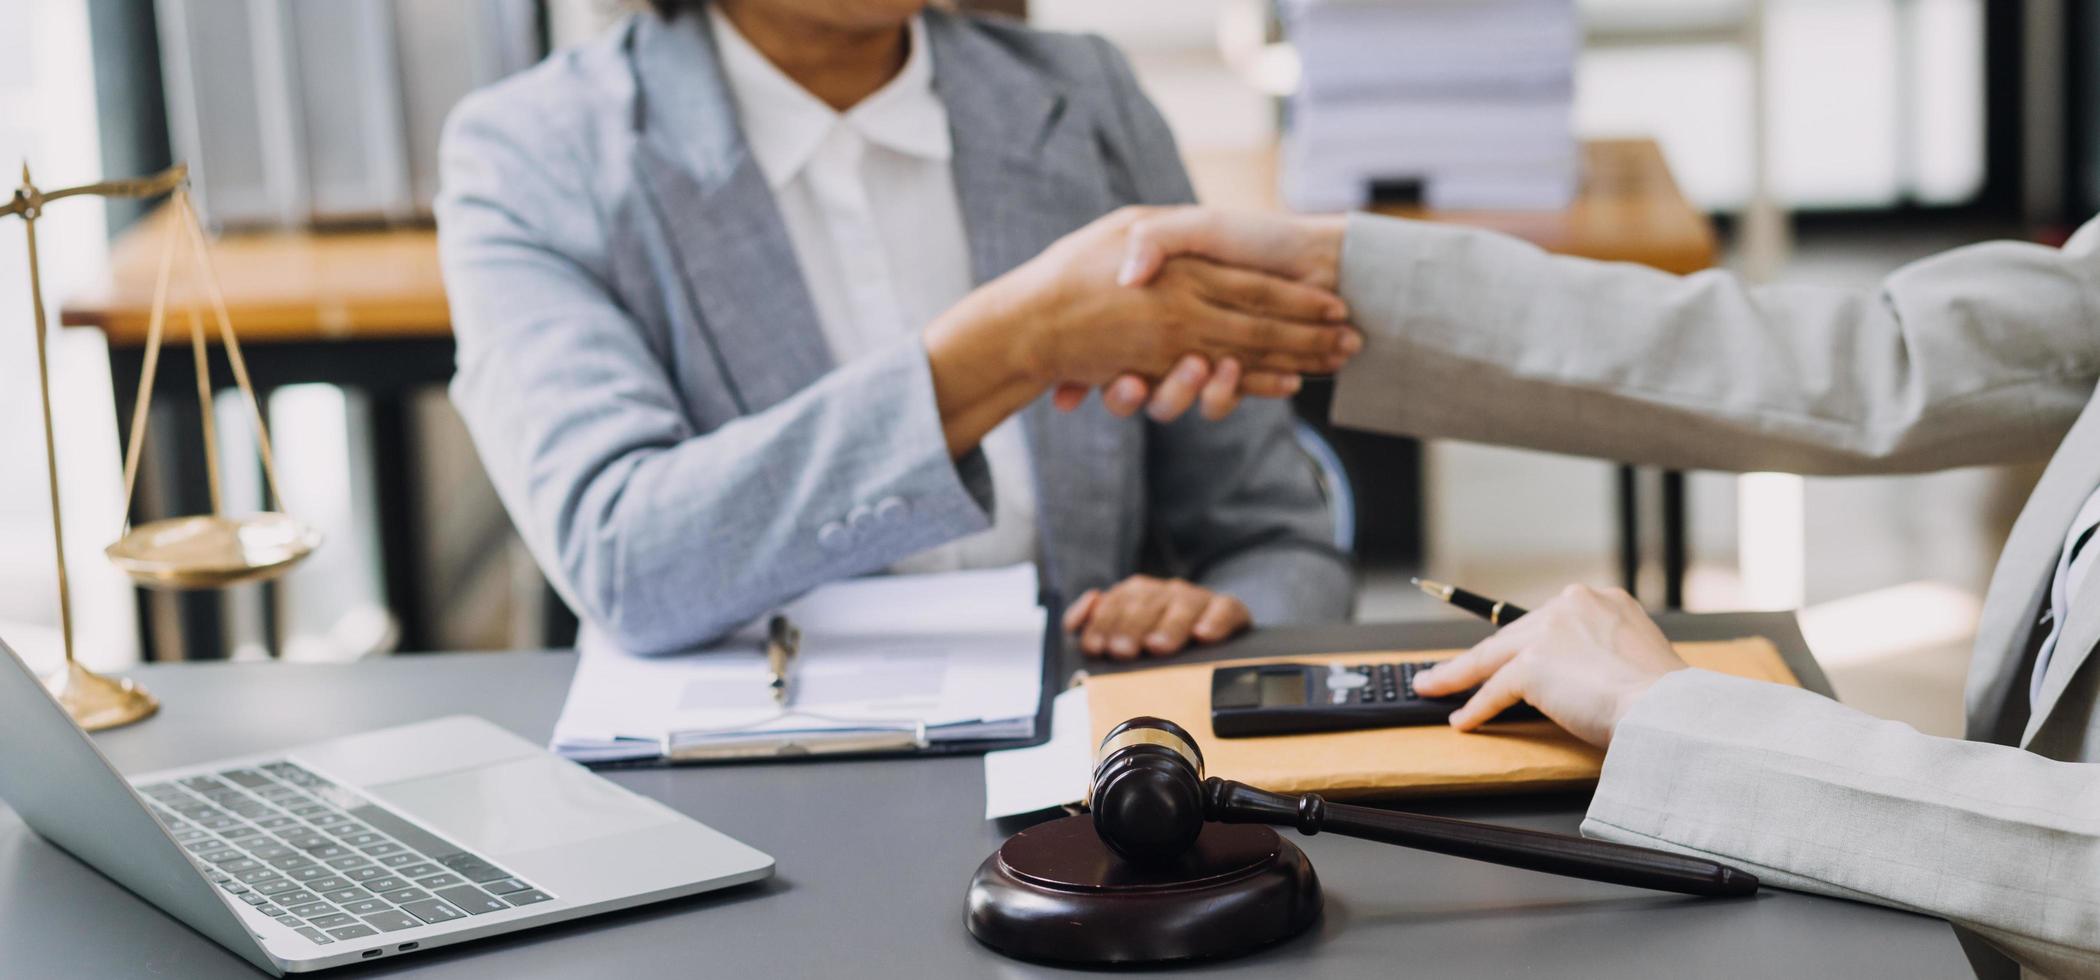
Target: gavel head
x=1147 y=792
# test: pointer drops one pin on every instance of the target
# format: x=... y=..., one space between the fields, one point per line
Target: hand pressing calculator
x=1297 y=699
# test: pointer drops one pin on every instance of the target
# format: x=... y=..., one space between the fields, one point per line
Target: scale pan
x=210 y=551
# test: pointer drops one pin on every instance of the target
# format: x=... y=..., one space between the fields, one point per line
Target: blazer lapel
x=2073 y=648
x=1026 y=174
x=2021 y=584
x=2064 y=489
x=710 y=196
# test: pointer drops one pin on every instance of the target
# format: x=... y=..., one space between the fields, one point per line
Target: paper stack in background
x=1466 y=103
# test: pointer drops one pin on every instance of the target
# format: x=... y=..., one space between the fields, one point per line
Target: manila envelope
x=1389 y=762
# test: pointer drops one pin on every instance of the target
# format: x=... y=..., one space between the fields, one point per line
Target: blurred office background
x=1829 y=140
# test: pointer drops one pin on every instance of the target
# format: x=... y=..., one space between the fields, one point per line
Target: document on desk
x=892 y=662
x=1052 y=774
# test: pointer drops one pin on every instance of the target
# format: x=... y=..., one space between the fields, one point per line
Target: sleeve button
x=859 y=517
x=892 y=510
x=832 y=535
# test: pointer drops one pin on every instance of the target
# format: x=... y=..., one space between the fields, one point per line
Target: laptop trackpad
x=518 y=806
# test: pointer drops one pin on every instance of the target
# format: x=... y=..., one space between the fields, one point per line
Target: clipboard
x=872 y=743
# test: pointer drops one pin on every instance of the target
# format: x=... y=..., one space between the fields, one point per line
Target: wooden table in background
x=360 y=309
x=1629 y=209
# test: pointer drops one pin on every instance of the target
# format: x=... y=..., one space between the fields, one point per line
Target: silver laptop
x=366 y=847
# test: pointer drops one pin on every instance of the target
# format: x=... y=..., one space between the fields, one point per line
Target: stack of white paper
x=948 y=656
x=1470 y=101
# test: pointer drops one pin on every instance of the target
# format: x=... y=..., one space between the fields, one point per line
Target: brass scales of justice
x=205 y=551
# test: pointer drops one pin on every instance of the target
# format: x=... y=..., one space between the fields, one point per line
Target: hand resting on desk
x=1145 y=615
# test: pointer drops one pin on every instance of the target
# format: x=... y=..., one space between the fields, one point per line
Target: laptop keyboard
x=324 y=861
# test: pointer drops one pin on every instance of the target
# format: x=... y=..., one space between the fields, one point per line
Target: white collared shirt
x=869 y=201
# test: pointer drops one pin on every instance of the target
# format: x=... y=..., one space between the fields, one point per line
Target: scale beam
x=30 y=199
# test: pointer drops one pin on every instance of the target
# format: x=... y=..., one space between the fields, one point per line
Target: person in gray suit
x=759 y=294
x=1985 y=354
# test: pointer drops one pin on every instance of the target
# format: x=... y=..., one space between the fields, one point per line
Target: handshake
x=1158 y=307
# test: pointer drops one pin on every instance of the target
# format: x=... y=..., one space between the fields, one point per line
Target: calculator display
x=1281 y=688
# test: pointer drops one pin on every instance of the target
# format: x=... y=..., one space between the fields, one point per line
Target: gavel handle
x=1561 y=854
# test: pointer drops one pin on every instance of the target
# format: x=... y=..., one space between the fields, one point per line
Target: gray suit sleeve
x=664 y=537
x=1984 y=354
x=1234 y=502
x=1240 y=513
x=1811 y=795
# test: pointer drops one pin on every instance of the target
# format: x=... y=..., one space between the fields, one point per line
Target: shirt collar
x=784 y=124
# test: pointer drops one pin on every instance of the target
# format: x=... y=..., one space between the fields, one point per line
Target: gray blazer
x=1986 y=354
x=644 y=376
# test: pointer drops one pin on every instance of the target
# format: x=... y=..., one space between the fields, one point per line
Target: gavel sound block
x=1173 y=866
x=1056 y=892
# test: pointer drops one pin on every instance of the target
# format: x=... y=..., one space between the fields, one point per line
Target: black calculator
x=1297 y=699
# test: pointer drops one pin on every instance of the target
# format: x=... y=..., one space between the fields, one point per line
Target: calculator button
x=1344 y=681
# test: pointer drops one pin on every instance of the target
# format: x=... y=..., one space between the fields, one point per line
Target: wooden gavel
x=1150 y=800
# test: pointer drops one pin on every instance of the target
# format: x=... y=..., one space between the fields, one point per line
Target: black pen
x=1494 y=611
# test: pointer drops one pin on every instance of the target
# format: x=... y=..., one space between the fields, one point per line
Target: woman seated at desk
x=712 y=275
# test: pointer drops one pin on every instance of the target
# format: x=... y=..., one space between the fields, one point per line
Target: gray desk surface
x=874 y=856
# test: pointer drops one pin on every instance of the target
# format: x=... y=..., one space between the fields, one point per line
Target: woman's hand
x=1303 y=249
x=1217 y=388
x=1077 y=323
x=1062 y=317
x=1581 y=659
x=1142 y=614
